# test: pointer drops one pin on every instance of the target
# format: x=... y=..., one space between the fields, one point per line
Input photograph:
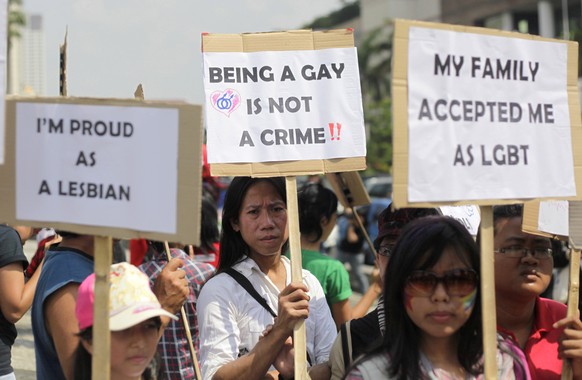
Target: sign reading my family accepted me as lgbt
x=489 y=114
x=270 y=106
x=124 y=168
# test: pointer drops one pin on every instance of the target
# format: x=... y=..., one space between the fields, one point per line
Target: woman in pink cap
x=134 y=321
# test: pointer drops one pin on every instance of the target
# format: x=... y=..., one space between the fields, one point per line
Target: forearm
x=256 y=363
x=368 y=298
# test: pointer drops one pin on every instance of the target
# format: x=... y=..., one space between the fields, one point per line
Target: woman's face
x=262 y=220
x=441 y=313
x=133 y=349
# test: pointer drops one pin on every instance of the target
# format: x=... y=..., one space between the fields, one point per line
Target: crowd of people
x=241 y=305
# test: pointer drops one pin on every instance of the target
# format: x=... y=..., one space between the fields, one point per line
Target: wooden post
x=573 y=294
x=487 y=276
x=101 y=365
x=299 y=339
x=186 y=324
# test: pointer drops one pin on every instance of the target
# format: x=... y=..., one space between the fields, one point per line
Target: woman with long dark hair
x=253 y=289
x=433 y=310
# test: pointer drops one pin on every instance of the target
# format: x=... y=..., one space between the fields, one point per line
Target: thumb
x=174 y=264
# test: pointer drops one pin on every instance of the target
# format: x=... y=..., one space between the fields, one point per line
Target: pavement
x=23 y=358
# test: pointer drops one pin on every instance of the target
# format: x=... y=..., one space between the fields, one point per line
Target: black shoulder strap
x=246 y=284
x=345 y=349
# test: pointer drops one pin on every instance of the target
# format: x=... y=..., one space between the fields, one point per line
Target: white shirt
x=230 y=321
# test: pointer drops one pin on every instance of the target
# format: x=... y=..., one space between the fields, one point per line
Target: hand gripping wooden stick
x=186 y=326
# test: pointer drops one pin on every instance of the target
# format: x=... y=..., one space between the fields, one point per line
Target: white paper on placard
x=467 y=215
x=553 y=217
x=3 y=55
x=97 y=165
x=486 y=115
x=283 y=105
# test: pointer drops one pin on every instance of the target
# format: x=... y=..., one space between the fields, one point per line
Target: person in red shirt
x=523 y=270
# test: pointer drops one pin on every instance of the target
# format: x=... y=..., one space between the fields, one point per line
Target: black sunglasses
x=457 y=282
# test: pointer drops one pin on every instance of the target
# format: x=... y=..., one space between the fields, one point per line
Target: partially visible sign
x=467 y=215
x=282 y=106
x=119 y=165
x=485 y=112
x=553 y=217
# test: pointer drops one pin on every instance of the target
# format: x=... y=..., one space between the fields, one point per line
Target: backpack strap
x=346 y=338
x=246 y=284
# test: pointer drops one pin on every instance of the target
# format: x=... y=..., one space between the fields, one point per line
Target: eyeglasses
x=385 y=250
x=519 y=252
x=457 y=282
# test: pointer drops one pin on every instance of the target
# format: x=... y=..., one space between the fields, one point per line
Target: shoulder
x=219 y=286
x=10 y=246
x=373 y=367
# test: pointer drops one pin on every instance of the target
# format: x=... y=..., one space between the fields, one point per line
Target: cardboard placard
x=287 y=99
x=119 y=168
x=468 y=215
x=349 y=189
x=531 y=221
x=478 y=113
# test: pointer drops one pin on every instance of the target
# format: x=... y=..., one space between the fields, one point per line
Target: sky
x=114 y=45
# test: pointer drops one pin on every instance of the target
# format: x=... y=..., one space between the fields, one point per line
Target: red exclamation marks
x=331 y=130
x=339 y=130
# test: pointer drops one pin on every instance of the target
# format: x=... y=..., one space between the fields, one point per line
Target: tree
x=16 y=20
x=374 y=59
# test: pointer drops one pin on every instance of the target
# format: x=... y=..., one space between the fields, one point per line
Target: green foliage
x=378 y=116
x=374 y=59
x=348 y=12
x=16 y=20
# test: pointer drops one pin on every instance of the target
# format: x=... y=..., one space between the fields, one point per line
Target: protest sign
x=283 y=103
x=546 y=218
x=115 y=168
x=483 y=116
x=467 y=215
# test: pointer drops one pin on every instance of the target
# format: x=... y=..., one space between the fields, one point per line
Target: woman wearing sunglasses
x=433 y=311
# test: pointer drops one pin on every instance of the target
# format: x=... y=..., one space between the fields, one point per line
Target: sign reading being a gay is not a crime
x=283 y=105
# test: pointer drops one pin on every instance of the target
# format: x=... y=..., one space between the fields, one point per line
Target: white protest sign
x=97 y=165
x=285 y=105
x=486 y=115
x=553 y=217
x=467 y=215
x=3 y=54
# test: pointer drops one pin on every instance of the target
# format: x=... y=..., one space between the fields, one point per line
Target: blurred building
x=27 y=60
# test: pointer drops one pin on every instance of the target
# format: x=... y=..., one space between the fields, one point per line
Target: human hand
x=293 y=306
x=171 y=286
x=570 y=342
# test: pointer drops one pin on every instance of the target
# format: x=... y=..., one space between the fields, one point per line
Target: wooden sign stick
x=349 y=199
x=488 y=293
x=299 y=337
x=573 y=294
x=103 y=253
x=186 y=327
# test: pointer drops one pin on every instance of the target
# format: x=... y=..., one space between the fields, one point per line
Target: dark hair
x=68 y=234
x=420 y=246
x=506 y=212
x=209 y=233
x=315 y=202
x=83 y=359
x=233 y=248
